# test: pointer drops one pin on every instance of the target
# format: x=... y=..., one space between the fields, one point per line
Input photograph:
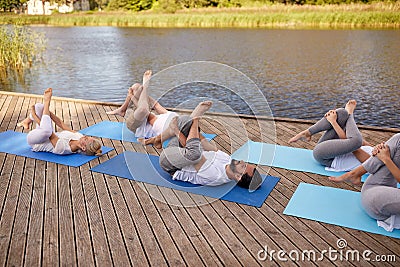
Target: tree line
x=173 y=5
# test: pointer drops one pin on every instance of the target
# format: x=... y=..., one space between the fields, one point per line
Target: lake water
x=301 y=73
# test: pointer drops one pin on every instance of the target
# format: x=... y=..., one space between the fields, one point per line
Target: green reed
x=378 y=15
x=20 y=46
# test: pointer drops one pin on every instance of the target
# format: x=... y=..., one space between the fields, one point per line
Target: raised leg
x=122 y=109
x=175 y=157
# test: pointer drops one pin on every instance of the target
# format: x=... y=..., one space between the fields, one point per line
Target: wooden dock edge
x=244 y=116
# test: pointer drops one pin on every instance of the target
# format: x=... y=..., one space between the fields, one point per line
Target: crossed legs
x=44 y=128
x=341 y=137
x=174 y=130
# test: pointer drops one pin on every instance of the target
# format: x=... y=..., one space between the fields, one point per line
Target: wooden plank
x=211 y=235
x=18 y=235
x=83 y=242
x=101 y=249
x=184 y=202
x=34 y=244
x=51 y=214
x=115 y=238
x=51 y=232
x=168 y=248
x=12 y=186
x=166 y=211
x=67 y=250
x=125 y=220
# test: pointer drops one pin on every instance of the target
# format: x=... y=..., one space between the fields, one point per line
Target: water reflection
x=302 y=73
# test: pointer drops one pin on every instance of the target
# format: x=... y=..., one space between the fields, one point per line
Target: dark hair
x=250 y=182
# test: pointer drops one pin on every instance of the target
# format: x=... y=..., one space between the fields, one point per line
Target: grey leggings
x=380 y=196
x=330 y=145
x=174 y=157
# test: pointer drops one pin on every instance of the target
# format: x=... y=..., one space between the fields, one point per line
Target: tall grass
x=19 y=47
x=378 y=15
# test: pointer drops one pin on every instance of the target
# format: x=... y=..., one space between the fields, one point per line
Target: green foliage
x=134 y=5
x=19 y=47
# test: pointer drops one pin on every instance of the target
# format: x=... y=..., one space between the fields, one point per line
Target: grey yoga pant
x=380 y=196
x=330 y=145
x=174 y=157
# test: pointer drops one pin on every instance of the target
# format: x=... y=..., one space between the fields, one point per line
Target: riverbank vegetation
x=20 y=46
x=254 y=14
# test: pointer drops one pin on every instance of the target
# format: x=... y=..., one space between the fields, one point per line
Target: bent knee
x=371 y=201
x=141 y=113
x=357 y=141
x=194 y=150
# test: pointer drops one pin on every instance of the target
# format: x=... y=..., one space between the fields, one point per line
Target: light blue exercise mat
x=119 y=131
x=15 y=143
x=334 y=206
x=146 y=168
x=290 y=158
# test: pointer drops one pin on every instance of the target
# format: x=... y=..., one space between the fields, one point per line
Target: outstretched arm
x=60 y=123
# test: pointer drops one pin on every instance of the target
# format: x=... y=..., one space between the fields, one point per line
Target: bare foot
x=119 y=111
x=146 y=77
x=331 y=116
x=47 y=95
x=122 y=110
x=201 y=108
x=155 y=141
x=347 y=177
x=351 y=106
x=304 y=135
x=26 y=123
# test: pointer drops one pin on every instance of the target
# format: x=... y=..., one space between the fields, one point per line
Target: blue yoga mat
x=15 y=143
x=145 y=168
x=334 y=206
x=291 y=158
x=119 y=131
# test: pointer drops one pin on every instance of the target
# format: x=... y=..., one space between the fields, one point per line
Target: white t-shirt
x=162 y=122
x=347 y=162
x=62 y=146
x=147 y=130
x=212 y=173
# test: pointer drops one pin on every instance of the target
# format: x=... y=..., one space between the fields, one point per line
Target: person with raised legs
x=173 y=130
x=43 y=138
x=137 y=110
x=380 y=196
x=341 y=147
x=186 y=158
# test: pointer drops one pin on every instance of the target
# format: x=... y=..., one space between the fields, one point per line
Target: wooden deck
x=56 y=215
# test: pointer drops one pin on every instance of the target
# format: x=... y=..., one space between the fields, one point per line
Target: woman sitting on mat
x=342 y=147
x=380 y=196
x=43 y=138
x=137 y=111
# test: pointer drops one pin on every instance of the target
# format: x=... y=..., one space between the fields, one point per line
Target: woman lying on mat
x=342 y=147
x=380 y=196
x=191 y=158
x=137 y=111
x=43 y=138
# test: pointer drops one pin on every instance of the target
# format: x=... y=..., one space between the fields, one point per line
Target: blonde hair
x=93 y=148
